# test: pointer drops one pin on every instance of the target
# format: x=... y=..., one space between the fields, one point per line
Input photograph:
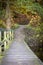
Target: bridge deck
x=19 y=53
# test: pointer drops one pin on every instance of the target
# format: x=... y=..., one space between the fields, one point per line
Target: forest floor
x=19 y=53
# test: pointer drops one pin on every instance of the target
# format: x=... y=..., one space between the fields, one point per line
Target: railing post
x=0 y=48
x=0 y=42
x=12 y=35
x=5 y=34
x=5 y=39
x=0 y=36
x=8 y=35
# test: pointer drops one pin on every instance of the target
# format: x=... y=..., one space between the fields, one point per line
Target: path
x=19 y=53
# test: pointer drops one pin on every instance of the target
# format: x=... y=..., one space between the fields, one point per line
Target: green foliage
x=34 y=38
x=23 y=6
x=2 y=13
x=2 y=24
x=29 y=5
x=14 y=26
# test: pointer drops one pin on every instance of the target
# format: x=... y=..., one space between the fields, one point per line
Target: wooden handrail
x=7 y=34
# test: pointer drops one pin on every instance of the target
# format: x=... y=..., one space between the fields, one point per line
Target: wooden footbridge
x=19 y=53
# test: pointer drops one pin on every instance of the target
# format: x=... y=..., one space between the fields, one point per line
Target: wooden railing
x=6 y=37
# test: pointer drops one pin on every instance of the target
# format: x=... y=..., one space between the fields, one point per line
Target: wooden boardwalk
x=19 y=53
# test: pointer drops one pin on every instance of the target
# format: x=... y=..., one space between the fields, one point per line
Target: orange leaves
x=35 y=20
